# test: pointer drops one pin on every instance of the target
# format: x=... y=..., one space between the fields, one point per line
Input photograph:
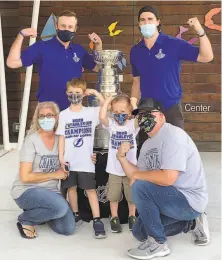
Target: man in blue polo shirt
x=156 y=62
x=58 y=60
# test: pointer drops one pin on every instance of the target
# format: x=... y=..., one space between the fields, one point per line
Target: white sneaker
x=149 y=249
x=201 y=233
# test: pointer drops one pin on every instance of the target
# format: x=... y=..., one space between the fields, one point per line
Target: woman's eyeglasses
x=47 y=116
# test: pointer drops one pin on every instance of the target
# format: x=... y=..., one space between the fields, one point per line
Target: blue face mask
x=47 y=124
x=148 y=30
x=120 y=118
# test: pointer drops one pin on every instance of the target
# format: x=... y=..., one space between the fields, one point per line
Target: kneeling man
x=168 y=184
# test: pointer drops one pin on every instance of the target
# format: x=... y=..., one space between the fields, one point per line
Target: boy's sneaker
x=115 y=225
x=99 y=230
x=149 y=249
x=132 y=221
x=78 y=219
x=201 y=233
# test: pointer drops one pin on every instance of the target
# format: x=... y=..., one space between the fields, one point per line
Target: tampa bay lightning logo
x=78 y=142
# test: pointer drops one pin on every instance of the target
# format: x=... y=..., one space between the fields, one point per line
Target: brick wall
x=201 y=82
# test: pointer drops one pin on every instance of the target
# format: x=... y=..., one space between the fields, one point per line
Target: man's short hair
x=67 y=13
x=153 y=10
x=76 y=83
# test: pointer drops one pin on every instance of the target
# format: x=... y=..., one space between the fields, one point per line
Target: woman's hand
x=63 y=164
x=61 y=174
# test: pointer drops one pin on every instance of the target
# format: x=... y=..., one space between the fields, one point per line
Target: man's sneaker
x=78 y=219
x=201 y=233
x=149 y=249
x=132 y=221
x=99 y=231
x=115 y=225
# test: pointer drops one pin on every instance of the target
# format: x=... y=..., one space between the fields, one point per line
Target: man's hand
x=194 y=23
x=123 y=150
x=93 y=157
x=96 y=40
x=29 y=32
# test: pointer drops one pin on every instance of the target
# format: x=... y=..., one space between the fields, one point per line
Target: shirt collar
x=58 y=43
x=158 y=41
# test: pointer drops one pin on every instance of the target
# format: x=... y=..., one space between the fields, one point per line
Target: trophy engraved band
x=108 y=84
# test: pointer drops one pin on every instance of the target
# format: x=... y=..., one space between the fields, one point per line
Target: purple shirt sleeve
x=88 y=61
x=135 y=72
x=187 y=51
x=31 y=55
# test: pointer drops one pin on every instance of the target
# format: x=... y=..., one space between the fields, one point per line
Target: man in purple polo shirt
x=156 y=62
x=58 y=60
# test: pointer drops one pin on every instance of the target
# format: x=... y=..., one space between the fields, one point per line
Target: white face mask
x=148 y=30
x=47 y=124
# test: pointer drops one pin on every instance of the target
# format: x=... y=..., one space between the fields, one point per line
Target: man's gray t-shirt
x=43 y=161
x=173 y=149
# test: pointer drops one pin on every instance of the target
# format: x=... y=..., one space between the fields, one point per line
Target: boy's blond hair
x=122 y=97
x=76 y=83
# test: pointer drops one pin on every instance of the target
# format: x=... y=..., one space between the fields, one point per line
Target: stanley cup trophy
x=108 y=84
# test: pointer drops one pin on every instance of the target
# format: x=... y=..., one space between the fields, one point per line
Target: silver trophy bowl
x=107 y=84
x=107 y=57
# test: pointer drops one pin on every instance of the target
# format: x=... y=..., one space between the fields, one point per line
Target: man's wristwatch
x=201 y=33
x=22 y=33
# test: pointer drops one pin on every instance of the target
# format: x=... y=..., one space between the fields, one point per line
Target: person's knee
x=114 y=195
x=137 y=188
x=141 y=188
x=61 y=210
x=70 y=229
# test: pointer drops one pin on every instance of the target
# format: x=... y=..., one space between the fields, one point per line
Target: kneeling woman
x=35 y=189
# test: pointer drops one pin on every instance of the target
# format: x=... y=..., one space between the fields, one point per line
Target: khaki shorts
x=115 y=185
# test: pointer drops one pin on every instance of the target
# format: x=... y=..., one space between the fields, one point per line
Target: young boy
x=120 y=129
x=76 y=137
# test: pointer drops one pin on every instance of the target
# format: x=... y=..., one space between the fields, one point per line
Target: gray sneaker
x=201 y=233
x=149 y=249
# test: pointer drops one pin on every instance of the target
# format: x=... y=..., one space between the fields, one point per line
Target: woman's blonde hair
x=34 y=126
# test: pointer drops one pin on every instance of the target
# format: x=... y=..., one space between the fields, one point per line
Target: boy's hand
x=90 y=91
x=109 y=97
x=93 y=157
x=133 y=102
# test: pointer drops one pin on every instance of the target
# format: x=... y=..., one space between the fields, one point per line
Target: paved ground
x=82 y=245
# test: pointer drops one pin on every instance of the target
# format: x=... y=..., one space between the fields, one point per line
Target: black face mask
x=65 y=35
x=146 y=122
